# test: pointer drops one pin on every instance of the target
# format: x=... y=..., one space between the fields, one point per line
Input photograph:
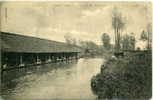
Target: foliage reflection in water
x=53 y=81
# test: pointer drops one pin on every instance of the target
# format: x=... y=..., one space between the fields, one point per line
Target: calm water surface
x=53 y=81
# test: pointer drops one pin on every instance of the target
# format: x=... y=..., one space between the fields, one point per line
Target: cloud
x=86 y=21
x=89 y=13
x=58 y=34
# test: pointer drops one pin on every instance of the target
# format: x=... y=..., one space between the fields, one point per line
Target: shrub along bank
x=125 y=78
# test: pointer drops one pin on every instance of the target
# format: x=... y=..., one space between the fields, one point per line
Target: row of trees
x=127 y=41
x=89 y=46
x=85 y=44
x=122 y=42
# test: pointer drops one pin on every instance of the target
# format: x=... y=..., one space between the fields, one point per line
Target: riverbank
x=128 y=77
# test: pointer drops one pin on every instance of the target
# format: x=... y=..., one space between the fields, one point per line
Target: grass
x=125 y=78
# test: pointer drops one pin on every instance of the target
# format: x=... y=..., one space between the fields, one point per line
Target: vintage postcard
x=71 y=50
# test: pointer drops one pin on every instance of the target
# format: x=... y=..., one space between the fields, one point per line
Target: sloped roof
x=19 y=43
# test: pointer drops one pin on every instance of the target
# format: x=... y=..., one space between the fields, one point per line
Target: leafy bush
x=126 y=78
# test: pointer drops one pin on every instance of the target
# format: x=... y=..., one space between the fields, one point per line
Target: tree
x=143 y=36
x=128 y=42
x=118 y=25
x=82 y=43
x=69 y=40
x=88 y=45
x=149 y=31
x=106 y=40
x=146 y=36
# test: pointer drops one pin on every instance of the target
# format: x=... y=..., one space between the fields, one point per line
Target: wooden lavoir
x=18 y=51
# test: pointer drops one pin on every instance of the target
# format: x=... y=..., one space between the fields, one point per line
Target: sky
x=82 y=20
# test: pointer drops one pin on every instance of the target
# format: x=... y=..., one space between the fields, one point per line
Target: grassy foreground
x=128 y=77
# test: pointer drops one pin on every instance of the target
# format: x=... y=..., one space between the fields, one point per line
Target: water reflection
x=52 y=81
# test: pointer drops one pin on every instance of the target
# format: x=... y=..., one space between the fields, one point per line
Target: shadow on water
x=53 y=81
x=9 y=77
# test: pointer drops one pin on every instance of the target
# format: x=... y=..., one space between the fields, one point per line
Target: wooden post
x=55 y=57
x=1 y=69
x=66 y=57
x=16 y=60
x=62 y=57
x=21 y=59
x=76 y=55
x=37 y=59
x=49 y=60
x=20 y=64
x=52 y=60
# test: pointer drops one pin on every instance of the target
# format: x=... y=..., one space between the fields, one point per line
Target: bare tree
x=118 y=24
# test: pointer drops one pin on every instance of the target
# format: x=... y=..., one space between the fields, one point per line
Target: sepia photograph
x=75 y=50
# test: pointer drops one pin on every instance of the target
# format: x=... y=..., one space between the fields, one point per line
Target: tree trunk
x=148 y=42
x=115 y=39
x=118 y=47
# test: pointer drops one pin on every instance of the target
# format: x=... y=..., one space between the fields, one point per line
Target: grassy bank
x=128 y=77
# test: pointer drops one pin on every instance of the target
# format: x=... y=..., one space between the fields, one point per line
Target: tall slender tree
x=149 y=31
x=118 y=24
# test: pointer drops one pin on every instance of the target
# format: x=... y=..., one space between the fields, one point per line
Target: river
x=53 y=81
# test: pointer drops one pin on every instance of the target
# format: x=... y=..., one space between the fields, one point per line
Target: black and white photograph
x=76 y=50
